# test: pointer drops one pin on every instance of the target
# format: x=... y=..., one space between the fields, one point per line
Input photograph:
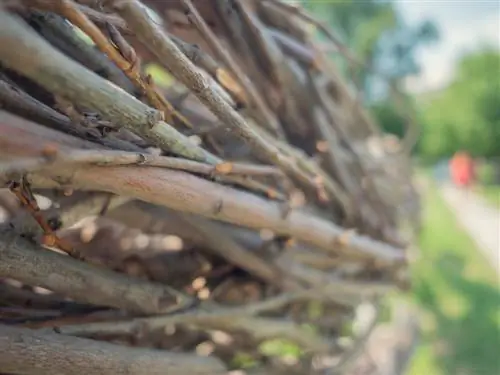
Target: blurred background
x=444 y=56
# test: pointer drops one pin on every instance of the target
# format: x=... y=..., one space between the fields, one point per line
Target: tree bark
x=186 y=192
x=29 y=264
x=30 y=55
x=28 y=352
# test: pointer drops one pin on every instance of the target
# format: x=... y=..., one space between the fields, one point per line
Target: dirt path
x=478 y=218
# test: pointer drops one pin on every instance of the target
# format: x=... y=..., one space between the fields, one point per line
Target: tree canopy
x=466 y=114
x=463 y=116
x=378 y=34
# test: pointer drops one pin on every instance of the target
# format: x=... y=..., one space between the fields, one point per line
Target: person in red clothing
x=462 y=169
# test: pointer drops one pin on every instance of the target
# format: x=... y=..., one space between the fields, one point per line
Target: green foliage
x=458 y=294
x=389 y=118
x=161 y=76
x=280 y=348
x=244 y=361
x=491 y=193
x=378 y=34
x=466 y=115
x=486 y=173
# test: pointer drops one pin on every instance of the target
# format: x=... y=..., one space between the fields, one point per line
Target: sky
x=464 y=25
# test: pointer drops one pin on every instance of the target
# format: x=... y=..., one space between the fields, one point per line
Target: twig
x=332 y=284
x=273 y=15
x=76 y=317
x=19 y=102
x=265 y=50
x=28 y=352
x=299 y=12
x=234 y=253
x=294 y=48
x=69 y=214
x=188 y=193
x=266 y=116
x=205 y=61
x=412 y=130
x=63 y=36
x=314 y=259
x=23 y=297
x=232 y=173
x=64 y=77
x=23 y=192
x=336 y=164
x=103 y=18
x=289 y=9
x=29 y=264
x=115 y=158
x=179 y=64
x=24 y=313
x=123 y=55
x=321 y=181
x=16 y=100
x=352 y=354
x=223 y=319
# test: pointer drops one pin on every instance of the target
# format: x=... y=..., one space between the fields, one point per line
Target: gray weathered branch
x=185 y=192
x=23 y=261
x=28 y=54
x=27 y=352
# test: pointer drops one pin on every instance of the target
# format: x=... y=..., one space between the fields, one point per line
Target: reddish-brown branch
x=27 y=200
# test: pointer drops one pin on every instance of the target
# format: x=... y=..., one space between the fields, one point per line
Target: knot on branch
x=153 y=117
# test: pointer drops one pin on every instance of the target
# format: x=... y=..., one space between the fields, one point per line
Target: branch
x=62 y=35
x=299 y=12
x=19 y=102
x=349 y=356
x=274 y=16
x=27 y=352
x=412 y=130
x=343 y=290
x=124 y=56
x=115 y=158
x=103 y=18
x=62 y=76
x=266 y=116
x=205 y=61
x=188 y=193
x=167 y=51
x=260 y=329
x=19 y=296
x=224 y=246
x=231 y=173
x=334 y=285
x=73 y=210
x=23 y=261
x=294 y=48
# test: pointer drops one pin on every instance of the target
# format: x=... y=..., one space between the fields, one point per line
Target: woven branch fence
x=189 y=187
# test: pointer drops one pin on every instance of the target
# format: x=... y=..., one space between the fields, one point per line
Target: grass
x=491 y=193
x=458 y=294
x=488 y=187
